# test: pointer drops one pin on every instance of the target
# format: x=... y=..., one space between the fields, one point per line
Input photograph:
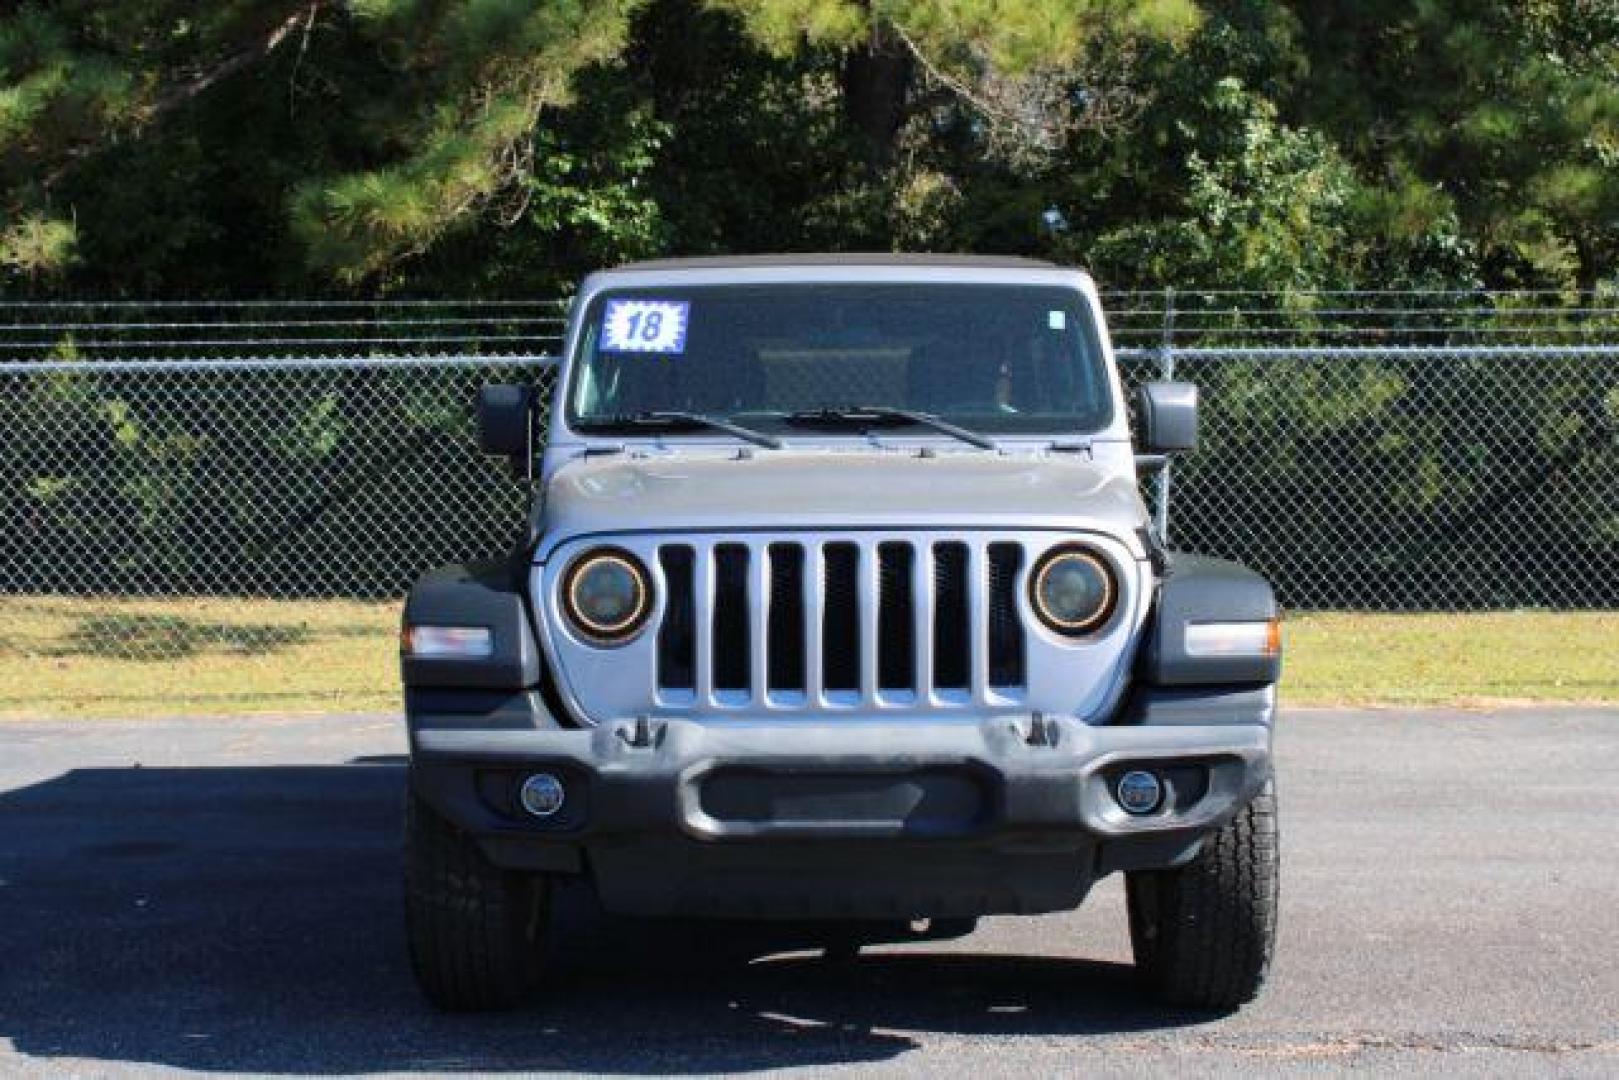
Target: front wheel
x=475 y=931
x=1203 y=933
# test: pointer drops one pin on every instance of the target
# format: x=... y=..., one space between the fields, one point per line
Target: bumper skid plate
x=861 y=818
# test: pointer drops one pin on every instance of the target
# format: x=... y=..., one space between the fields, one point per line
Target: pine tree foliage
x=78 y=75
x=1509 y=109
x=1014 y=36
x=479 y=75
x=295 y=146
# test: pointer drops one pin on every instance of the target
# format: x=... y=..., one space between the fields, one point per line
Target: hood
x=818 y=489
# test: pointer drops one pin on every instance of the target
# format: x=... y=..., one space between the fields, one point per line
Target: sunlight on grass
x=1466 y=659
x=128 y=658
x=78 y=657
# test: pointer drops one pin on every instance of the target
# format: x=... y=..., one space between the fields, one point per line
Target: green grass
x=1492 y=658
x=129 y=658
x=114 y=658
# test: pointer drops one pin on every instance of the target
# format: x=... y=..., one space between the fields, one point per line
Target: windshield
x=997 y=358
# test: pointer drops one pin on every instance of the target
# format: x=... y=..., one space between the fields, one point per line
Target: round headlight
x=606 y=595
x=1073 y=590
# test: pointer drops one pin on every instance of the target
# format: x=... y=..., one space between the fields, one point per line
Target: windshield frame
x=1081 y=303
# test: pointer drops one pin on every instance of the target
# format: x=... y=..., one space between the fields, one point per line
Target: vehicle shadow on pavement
x=248 y=919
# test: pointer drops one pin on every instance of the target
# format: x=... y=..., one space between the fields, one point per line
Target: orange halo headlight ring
x=607 y=595
x=1073 y=590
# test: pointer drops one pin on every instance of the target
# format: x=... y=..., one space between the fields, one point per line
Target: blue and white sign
x=645 y=326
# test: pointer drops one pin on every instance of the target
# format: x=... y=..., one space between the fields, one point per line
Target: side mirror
x=1168 y=412
x=506 y=425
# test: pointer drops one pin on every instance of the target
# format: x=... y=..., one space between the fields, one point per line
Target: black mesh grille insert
x=677 y=639
x=731 y=654
x=786 y=647
x=1005 y=628
x=896 y=617
x=840 y=617
x=952 y=661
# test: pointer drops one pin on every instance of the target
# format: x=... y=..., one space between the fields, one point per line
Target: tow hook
x=1043 y=732
x=640 y=735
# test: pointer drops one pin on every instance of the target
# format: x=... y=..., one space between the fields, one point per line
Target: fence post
x=1166 y=371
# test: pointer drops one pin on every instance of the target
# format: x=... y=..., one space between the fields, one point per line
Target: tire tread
x=472 y=928
x=1204 y=933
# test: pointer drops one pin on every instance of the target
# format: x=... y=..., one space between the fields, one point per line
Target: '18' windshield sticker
x=1057 y=319
x=645 y=326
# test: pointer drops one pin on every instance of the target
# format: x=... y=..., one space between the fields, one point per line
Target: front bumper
x=862 y=818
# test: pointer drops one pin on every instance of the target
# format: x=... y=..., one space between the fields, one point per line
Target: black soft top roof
x=740 y=262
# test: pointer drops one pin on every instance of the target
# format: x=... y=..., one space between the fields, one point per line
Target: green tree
x=1006 y=58
x=1274 y=210
x=1506 y=110
x=348 y=139
x=454 y=125
x=77 y=77
x=162 y=146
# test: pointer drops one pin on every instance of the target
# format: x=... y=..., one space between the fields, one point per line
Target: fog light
x=541 y=795
x=1139 y=792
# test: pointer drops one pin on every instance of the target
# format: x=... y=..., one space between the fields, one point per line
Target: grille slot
x=840 y=617
x=952 y=657
x=731 y=652
x=785 y=651
x=677 y=638
x=1005 y=628
x=879 y=623
x=896 y=618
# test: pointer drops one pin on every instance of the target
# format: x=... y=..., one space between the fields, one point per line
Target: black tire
x=1203 y=933
x=475 y=931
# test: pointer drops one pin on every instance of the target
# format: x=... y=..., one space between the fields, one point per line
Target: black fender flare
x=1200 y=589
x=491 y=594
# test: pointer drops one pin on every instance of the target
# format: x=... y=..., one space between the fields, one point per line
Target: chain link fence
x=271 y=478
x=1415 y=450
x=1407 y=478
x=1455 y=451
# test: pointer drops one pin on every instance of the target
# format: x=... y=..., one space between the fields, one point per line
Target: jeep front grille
x=841 y=622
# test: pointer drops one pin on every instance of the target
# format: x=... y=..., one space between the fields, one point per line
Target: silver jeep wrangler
x=839 y=605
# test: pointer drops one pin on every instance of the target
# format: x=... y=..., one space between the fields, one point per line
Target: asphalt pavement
x=222 y=896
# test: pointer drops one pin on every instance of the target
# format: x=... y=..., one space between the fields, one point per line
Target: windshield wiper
x=865 y=415
x=676 y=419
